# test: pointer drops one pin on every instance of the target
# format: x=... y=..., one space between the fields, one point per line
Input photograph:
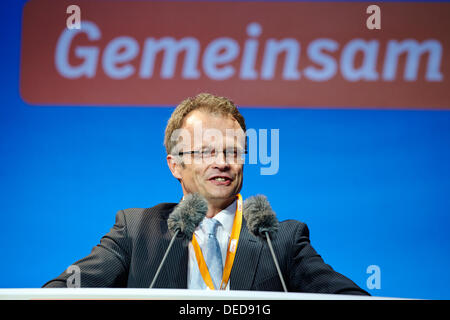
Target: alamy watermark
x=74 y=280
x=374 y=280
x=374 y=20
x=74 y=20
x=204 y=146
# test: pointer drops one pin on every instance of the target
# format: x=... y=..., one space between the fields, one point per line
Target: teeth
x=219 y=179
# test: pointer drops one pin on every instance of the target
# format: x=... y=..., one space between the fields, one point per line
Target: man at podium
x=205 y=141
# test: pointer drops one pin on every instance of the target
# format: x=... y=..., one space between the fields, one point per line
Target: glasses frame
x=205 y=152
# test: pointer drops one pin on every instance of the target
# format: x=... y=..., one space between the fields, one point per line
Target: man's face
x=212 y=174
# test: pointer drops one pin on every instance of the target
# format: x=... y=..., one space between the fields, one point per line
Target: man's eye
x=207 y=152
x=231 y=153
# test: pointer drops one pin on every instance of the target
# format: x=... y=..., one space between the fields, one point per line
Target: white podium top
x=165 y=294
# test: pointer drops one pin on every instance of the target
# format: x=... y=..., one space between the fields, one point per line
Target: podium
x=166 y=294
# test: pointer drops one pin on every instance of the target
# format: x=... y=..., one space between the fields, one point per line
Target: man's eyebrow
x=203 y=148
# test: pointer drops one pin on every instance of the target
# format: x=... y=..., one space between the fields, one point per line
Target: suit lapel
x=246 y=260
x=179 y=264
x=174 y=273
x=242 y=274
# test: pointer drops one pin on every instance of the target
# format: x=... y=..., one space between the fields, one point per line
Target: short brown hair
x=203 y=101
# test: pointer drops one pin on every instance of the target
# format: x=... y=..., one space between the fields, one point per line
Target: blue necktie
x=212 y=252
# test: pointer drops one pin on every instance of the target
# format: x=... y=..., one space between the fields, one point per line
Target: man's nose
x=220 y=160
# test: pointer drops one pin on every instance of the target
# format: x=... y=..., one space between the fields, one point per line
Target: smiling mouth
x=220 y=180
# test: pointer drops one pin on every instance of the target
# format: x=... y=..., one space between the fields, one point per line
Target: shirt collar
x=226 y=217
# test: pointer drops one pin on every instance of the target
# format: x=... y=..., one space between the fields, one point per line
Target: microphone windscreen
x=187 y=215
x=260 y=216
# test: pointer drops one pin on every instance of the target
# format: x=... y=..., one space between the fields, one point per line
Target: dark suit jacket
x=130 y=253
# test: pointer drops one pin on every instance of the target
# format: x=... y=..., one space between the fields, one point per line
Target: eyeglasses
x=208 y=153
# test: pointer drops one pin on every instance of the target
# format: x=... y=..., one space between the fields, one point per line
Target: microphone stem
x=164 y=258
x=269 y=242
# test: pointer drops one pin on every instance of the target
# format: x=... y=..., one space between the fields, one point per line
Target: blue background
x=372 y=185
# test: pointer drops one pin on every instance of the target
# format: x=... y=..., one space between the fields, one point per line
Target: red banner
x=289 y=54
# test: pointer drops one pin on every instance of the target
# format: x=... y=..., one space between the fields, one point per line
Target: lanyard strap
x=231 y=251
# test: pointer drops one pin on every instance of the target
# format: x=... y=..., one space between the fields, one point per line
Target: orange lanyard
x=231 y=251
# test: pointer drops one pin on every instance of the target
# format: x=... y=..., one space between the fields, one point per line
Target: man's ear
x=175 y=166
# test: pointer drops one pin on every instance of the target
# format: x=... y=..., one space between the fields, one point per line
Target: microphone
x=262 y=222
x=183 y=220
